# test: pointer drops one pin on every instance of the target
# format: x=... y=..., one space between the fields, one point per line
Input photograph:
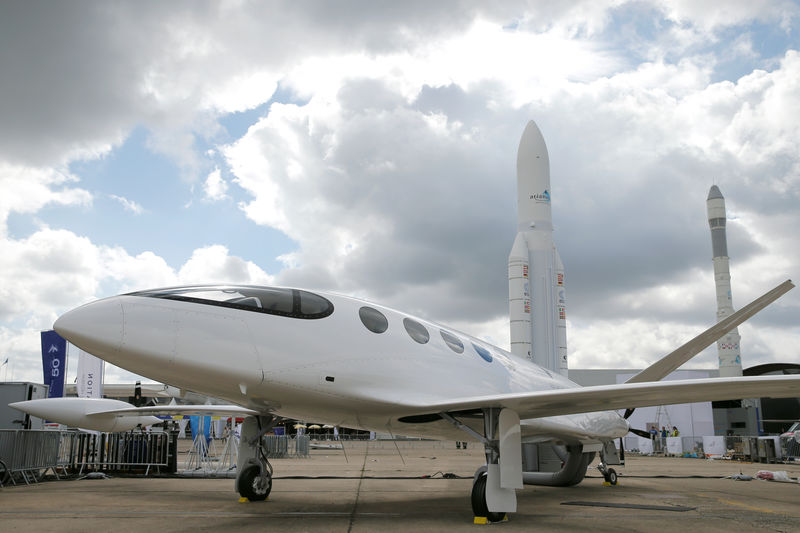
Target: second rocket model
x=730 y=360
x=536 y=291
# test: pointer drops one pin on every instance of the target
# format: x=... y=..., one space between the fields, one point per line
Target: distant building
x=764 y=416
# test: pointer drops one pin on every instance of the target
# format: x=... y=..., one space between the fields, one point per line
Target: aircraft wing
x=664 y=366
x=170 y=410
x=105 y=414
x=611 y=397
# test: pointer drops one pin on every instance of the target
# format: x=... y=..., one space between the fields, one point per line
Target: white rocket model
x=730 y=360
x=536 y=292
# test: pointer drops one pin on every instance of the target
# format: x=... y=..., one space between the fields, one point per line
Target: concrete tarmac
x=376 y=489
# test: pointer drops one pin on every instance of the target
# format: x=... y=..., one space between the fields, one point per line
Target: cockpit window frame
x=182 y=294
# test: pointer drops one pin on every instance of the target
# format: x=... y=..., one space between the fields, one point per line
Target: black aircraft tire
x=479 y=507
x=611 y=476
x=5 y=476
x=248 y=485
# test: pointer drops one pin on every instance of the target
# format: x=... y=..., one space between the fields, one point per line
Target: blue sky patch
x=175 y=218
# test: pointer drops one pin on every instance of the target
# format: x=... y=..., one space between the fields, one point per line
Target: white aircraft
x=280 y=352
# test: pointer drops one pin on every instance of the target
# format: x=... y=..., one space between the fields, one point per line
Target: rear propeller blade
x=640 y=432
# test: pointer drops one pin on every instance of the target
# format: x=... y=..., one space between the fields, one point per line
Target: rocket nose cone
x=533 y=163
x=95 y=327
x=533 y=180
x=532 y=135
x=714 y=193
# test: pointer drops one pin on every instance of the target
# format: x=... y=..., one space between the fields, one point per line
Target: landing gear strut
x=610 y=455
x=254 y=480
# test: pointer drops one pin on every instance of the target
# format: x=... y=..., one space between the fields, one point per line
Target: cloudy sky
x=369 y=148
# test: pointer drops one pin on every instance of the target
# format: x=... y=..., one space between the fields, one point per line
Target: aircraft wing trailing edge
x=610 y=397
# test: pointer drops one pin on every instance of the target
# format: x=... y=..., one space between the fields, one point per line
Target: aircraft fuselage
x=311 y=356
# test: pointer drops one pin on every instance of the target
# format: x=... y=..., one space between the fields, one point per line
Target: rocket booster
x=728 y=350
x=536 y=291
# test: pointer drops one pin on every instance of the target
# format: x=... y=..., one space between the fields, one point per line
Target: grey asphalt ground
x=673 y=494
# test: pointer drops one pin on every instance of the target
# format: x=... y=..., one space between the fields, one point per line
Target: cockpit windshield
x=292 y=303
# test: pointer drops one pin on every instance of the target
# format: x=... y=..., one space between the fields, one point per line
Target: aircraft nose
x=95 y=327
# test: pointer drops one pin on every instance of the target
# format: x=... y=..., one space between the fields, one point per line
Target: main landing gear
x=494 y=488
x=254 y=480
x=479 y=506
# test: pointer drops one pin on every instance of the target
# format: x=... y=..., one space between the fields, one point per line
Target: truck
x=16 y=392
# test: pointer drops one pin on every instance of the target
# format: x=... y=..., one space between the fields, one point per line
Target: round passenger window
x=452 y=341
x=373 y=319
x=483 y=352
x=416 y=330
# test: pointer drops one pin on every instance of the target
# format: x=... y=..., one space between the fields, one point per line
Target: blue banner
x=54 y=362
x=201 y=427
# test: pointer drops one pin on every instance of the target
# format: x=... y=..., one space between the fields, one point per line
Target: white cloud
x=213 y=264
x=711 y=16
x=47 y=271
x=128 y=205
x=243 y=91
x=215 y=187
x=28 y=189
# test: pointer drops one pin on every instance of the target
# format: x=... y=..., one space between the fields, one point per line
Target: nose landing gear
x=254 y=480
x=610 y=456
x=253 y=485
x=609 y=474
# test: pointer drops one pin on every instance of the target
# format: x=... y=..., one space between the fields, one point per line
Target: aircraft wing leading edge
x=105 y=414
x=611 y=397
x=537 y=404
x=167 y=410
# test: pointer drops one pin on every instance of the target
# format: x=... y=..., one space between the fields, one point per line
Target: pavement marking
x=675 y=508
x=747 y=506
x=46 y=515
x=358 y=489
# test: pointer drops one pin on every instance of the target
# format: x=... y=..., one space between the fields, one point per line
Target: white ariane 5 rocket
x=730 y=360
x=536 y=292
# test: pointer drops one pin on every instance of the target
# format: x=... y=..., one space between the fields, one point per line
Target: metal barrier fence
x=790 y=447
x=764 y=449
x=205 y=460
x=117 y=452
x=27 y=455
x=280 y=446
